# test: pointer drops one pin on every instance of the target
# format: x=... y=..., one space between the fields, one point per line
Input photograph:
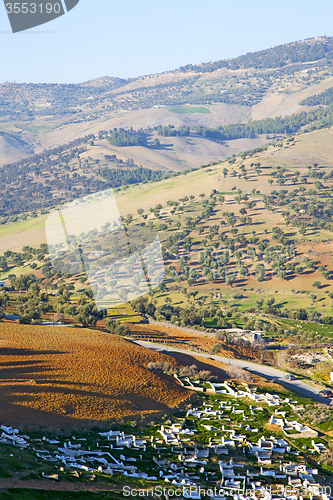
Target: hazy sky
x=128 y=38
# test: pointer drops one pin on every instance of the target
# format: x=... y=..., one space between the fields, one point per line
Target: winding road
x=263 y=370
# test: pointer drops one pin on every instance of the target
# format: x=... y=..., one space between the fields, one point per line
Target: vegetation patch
x=185 y=110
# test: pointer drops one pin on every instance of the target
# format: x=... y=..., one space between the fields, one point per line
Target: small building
x=2 y=284
x=247 y=335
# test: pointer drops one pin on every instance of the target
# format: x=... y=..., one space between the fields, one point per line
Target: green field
x=185 y=110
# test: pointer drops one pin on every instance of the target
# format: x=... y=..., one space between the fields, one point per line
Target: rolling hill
x=230 y=162
x=53 y=375
x=14 y=146
x=255 y=86
x=256 y=227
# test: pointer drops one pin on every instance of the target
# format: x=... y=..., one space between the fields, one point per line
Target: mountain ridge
x=49 y=115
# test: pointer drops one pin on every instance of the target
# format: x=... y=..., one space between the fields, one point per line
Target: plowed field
x=185 y=340
x=58 y=375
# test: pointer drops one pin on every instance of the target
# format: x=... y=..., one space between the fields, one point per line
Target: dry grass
x=287 y=101
x=51 y=374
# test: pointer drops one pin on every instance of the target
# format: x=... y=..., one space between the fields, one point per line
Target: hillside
x=239 y=191
x=261 y=85
x=28 y=229
x=53 y=375
x=250 y=237
x=14 y=147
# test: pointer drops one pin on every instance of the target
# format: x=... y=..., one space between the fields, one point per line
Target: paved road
x=266 y=371
x=13 y=317
x=51 y=323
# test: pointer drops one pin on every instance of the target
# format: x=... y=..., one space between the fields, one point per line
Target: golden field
x=51 y=375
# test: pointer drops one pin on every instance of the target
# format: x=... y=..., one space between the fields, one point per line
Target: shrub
x=204 y=375
x=323 y=370
x=239 y=374
x=182 y=371
x=116 y=327
x=216 y=348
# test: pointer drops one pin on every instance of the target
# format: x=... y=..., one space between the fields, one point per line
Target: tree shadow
x=240 y=282
x=11 y=351
x=162 y=147
x=308 y=271
x=19 y=372
x=281 y=304
x=17 y=363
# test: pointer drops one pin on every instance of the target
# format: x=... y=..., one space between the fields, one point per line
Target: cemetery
x=238 y=439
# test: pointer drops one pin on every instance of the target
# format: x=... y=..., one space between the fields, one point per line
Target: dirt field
x=183 y=340
x=51 y=375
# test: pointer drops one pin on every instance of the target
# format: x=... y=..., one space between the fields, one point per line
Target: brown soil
x=58 y=375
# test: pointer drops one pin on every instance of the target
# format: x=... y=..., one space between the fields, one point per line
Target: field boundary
x=182 y=328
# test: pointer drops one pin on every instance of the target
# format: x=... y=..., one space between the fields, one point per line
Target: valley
x=228 y=166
